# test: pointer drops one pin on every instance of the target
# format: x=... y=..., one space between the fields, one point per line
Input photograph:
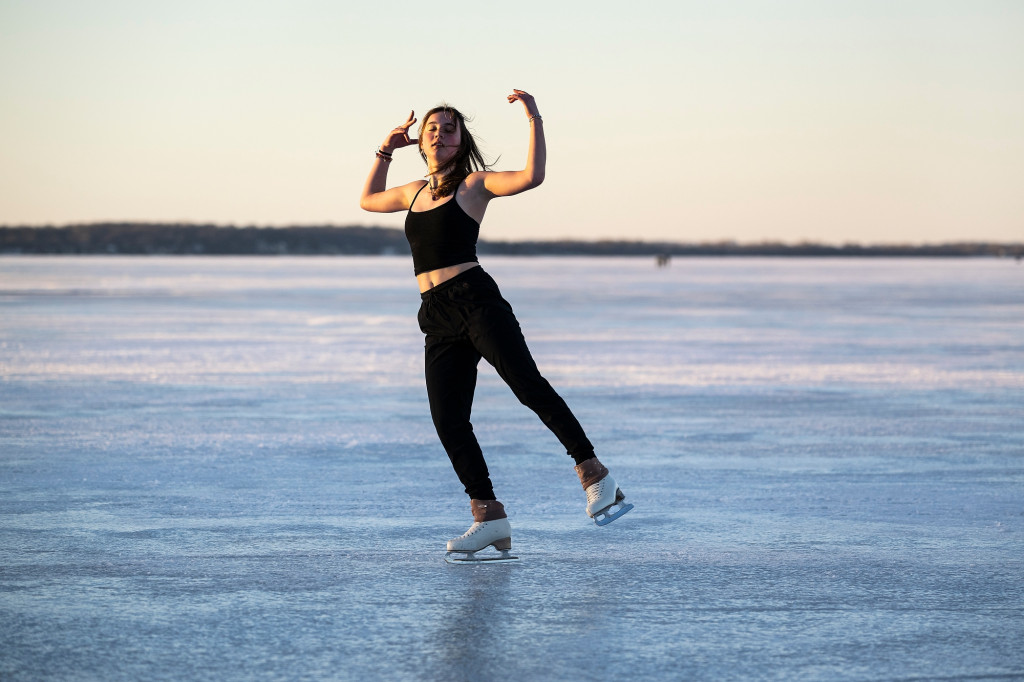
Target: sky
x=688 y=121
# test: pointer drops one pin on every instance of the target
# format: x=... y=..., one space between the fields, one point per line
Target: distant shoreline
x=218 y=240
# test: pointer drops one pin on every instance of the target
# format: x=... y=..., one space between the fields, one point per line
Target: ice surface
x=223 y=468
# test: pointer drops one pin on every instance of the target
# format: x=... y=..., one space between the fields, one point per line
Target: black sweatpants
x=464 y=319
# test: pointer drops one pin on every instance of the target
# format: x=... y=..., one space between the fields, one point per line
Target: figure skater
x=464 y=317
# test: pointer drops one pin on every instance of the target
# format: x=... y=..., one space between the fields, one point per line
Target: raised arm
x=375 y=196
x=507 y=183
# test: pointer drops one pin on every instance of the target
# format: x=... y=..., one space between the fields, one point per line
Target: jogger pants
x=465 y=319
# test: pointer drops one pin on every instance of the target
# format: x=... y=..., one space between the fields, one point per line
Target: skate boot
x=490 y=529
x=605 y=502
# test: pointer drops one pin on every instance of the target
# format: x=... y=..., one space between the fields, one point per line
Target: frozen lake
x=224 y=468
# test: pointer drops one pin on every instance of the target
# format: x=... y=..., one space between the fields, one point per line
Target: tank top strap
x=415 y=196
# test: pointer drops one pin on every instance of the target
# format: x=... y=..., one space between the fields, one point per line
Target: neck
x=434 y=182
x=434 y=178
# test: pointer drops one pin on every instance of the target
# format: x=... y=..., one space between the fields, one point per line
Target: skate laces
x=595 y=491
x=477 y=525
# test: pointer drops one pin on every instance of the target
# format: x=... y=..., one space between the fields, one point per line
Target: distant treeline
x=192 y=239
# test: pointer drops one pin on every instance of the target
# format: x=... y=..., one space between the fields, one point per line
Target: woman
x=464 y=316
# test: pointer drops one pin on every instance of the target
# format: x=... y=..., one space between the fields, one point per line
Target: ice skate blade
x=606 y=515
x=464 y=558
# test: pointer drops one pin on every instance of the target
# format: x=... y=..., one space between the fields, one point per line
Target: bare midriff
x=429 y=280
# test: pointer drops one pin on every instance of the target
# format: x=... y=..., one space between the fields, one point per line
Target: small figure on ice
x=465 y=318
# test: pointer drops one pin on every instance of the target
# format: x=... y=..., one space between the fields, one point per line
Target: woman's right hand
x=399 y=137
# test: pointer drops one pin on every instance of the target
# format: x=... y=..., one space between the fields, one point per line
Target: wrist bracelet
x=381 y=151
x=383 y=156
x=535 y=116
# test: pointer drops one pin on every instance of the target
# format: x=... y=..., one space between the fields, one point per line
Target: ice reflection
x=472 y=625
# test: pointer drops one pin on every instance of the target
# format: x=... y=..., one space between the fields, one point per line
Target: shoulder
x=476 y=182
x=477 y=178
x=408 y=193
x=397 y=198
x=411 y=189
x=473 y=196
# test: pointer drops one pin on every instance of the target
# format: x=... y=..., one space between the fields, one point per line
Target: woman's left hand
x=526 y=98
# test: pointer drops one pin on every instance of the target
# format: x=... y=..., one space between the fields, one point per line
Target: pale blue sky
x=829 y=121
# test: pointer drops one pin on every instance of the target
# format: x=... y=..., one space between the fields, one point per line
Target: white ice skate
x=480 y=536
x=490 y=529
x=605 y=502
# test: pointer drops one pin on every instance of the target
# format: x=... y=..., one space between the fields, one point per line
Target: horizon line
x=724 y=241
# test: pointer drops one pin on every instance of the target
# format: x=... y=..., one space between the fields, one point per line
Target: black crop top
x=441 y=237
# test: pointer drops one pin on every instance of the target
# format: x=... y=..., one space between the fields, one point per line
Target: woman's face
x=441 y=136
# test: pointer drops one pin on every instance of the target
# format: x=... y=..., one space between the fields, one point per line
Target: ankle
x=487 y=510
x=590 y=472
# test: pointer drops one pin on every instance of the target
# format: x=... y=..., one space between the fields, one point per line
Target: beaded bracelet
x=383 y=156
x=535 y=116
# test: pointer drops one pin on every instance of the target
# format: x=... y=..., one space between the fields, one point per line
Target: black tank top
x=442 y=236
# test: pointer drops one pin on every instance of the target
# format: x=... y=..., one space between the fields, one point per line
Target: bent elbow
x=364 y=203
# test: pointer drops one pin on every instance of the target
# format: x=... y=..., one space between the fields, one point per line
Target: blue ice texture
x=224 y=468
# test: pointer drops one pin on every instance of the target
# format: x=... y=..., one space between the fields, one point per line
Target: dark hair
x=465 y=161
